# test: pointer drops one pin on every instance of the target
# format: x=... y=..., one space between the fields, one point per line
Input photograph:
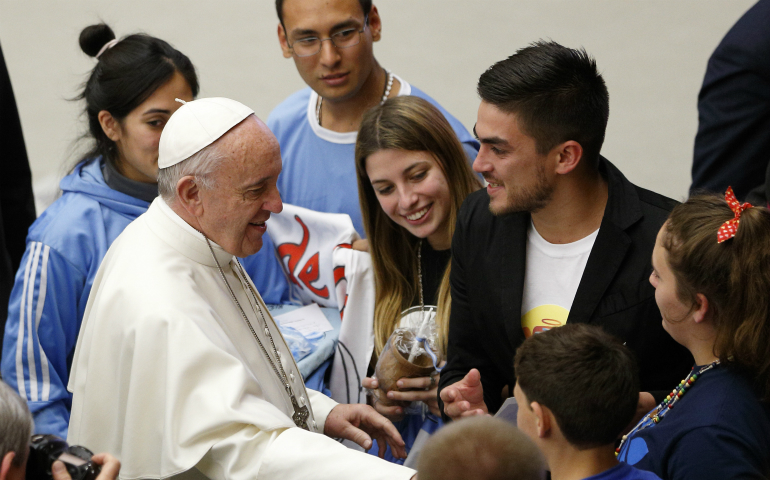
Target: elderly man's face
x=236 y=208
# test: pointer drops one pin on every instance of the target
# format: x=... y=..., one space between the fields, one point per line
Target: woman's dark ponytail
x=125 y=75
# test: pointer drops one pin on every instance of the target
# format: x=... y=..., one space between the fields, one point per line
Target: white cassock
x=168 y=377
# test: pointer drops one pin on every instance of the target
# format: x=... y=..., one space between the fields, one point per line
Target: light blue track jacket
x=65 y=247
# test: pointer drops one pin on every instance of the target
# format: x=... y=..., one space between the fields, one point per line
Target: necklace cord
x=419 y=273
x=656 y=415
x=300 y=414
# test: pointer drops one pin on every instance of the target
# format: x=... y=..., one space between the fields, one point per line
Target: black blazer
x=487 y=278
x=732 y=146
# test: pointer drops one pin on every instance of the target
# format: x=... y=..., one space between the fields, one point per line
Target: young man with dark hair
x=558 y=236
x=576 y=427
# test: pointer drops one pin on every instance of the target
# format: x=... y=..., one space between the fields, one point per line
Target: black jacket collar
x=623 y=205
x=610 y=249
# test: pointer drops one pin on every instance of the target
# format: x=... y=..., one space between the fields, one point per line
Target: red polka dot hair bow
x=730 y=227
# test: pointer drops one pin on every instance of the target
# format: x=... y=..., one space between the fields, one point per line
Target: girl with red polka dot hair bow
x=714 y=298
x=730 y=227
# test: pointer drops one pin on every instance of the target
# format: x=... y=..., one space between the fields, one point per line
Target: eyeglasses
x=350 y=37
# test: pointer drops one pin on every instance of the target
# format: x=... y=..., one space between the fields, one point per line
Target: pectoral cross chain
x=300 y=415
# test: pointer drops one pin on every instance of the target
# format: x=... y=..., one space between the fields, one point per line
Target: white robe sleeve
x=292 y=453
x=321 y=405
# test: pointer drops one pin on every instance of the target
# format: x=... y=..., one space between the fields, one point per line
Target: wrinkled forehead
x=249 y=134
x=251 y=152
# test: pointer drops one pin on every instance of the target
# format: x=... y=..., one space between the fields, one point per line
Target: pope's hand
x=110 y=468
x=465 y=398
x=359 y=423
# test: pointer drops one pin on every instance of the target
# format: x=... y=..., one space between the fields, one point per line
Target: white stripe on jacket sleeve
x=31 y=365
x=40 y=303
x=20 y=382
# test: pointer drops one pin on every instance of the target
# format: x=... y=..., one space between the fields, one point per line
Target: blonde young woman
x=413 y=175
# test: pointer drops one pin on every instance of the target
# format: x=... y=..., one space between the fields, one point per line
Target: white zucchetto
x=196 y=125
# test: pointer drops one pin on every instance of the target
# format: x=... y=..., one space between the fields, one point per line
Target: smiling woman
x=129 y=97
x=413 y=175
x=413 y=192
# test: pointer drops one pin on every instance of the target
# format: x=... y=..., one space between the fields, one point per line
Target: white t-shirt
x=551 y=279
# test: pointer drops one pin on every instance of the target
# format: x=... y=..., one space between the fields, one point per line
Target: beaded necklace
x=656 y=415
x=419 y=273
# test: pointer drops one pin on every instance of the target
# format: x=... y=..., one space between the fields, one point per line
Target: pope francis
x=179 y=370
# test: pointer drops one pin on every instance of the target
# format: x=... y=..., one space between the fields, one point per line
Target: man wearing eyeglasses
x=331 y=44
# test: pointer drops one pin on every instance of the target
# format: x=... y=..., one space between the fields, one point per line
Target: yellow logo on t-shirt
x=543 y=318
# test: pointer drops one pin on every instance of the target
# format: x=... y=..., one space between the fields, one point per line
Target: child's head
x=480 y=448
x=576 y=380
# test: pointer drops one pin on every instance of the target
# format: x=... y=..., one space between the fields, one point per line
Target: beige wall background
x=652 y=53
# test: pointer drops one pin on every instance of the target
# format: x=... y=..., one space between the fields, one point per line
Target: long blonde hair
x=412 y=124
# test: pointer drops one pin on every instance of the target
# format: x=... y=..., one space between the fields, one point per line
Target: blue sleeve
x=41 y=331
x=713 y=453
x=266 y=273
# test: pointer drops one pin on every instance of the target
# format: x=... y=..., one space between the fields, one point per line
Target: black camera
x=46 y=449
